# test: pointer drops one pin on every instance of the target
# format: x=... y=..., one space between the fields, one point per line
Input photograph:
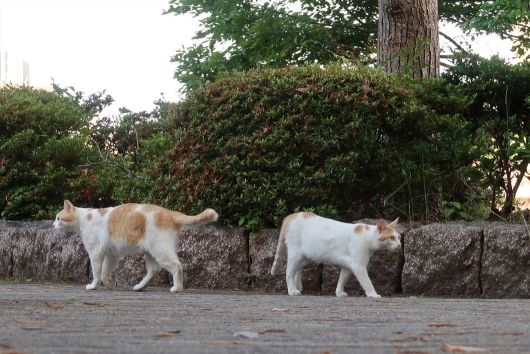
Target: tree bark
x=407 y=43
x=407 y=40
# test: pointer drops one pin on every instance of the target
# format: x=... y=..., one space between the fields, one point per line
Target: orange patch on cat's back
x=164 y=220
x=150 y=207
x=290 y=218
x=162 y=216
x=128 y=224
x=103 y=211
x=287 y=221
x=358 y=229
x=89 y=217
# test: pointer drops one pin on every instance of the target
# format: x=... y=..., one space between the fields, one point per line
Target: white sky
x=485 y=45
x=123 y=46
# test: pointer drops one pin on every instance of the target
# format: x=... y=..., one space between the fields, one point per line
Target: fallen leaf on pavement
x=164 y=334
x=408 y=339
x=280 y=310
x=461 y=349
x=398 y=351
x=36 y=311
x=52 y=306
x=507 y=334
x=109 y=331
x=444 y=333
x=100 y=304
x=271 y=330
x=26 y=322
x=31 y=328
x=6 y=346
x=444 y=325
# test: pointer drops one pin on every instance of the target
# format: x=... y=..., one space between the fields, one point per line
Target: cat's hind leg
x=298 y=275
x=294 y=267
x=153 y=268
x=169 y=260
x=343 y=278
x=109 y=264
x=96 y=261
x=163 y=250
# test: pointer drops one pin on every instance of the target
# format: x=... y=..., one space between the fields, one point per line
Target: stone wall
x=478 y=259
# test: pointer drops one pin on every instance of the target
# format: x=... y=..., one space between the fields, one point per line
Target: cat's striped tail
x=208 y=215
x=281 y=251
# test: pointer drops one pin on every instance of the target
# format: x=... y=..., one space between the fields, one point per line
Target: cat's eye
x=392 y=238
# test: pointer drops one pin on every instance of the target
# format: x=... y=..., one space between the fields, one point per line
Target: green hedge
x=501 y=112
x=40 y=145
x=259 y=145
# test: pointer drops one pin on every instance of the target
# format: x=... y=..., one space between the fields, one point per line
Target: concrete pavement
x=65 y=318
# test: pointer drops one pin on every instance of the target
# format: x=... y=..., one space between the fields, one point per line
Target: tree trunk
x=407 y=40
x=407 y=43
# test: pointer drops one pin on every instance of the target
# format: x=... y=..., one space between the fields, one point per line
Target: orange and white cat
x=145 y=229
x=309 y=237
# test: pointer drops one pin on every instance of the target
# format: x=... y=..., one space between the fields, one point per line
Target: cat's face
x=65 y=219
x=388 y=236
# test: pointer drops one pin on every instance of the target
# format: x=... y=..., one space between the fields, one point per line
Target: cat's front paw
x=375 y=295
x=176 y=289
x=295 y=293
x=92 y=286
x=138 y=287
x=108 y=282
x=342 y=294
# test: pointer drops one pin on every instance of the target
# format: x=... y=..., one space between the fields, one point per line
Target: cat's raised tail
x=281 y=250
x=208 y=215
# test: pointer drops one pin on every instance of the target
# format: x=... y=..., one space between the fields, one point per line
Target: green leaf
x=448 y=212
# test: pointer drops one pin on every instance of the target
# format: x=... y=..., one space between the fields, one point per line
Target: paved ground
x=61 y=318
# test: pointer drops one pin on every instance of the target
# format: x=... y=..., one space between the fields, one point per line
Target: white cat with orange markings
x=145 y=229
x=309 y=237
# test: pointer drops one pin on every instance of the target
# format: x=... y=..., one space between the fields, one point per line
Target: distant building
x=13 y=69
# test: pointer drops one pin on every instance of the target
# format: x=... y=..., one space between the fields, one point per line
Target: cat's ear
x=381 y=226
x=69 y=207
x=393 y=223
